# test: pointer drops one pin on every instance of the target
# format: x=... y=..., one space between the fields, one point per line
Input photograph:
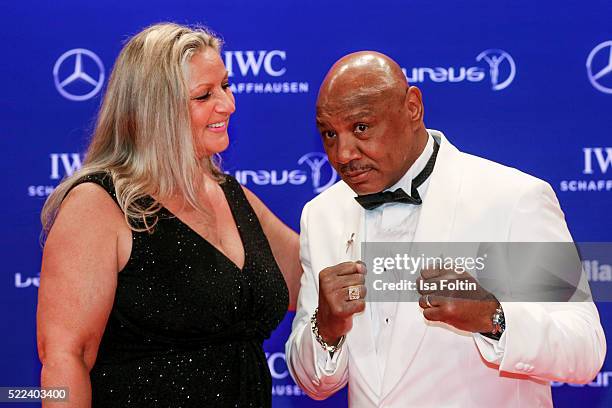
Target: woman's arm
x=284 y=243
x=77 y=289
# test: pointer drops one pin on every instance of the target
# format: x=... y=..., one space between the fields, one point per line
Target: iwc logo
x=261 y=72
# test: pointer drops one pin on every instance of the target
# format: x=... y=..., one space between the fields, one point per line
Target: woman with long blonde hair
x=161 y=276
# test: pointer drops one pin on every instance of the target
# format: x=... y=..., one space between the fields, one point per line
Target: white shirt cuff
x=326 y=364
x=491 y=350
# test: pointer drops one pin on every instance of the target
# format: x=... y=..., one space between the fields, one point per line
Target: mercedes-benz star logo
x=316 y=160
x=595 y=75
x=79 y=73
x=495 y=57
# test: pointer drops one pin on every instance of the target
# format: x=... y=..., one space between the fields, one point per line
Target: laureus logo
x=322 y=174
x=501 y=71
x=316 y=161
x=26 y=281
x=502 y=68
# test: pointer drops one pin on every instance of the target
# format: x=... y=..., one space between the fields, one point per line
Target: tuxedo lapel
x=438 y=212
x=360 y=340
x=435 y=225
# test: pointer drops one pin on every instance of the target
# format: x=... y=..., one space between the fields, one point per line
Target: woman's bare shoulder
x=88 y=214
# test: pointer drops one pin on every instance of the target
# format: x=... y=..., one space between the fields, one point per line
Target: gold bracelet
x=315 y=331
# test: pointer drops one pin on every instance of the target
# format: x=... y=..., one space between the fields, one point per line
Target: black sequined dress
x=187 y=325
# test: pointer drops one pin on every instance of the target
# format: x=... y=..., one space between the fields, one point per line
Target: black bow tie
x=371 y=201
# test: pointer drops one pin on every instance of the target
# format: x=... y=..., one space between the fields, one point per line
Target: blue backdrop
x=527 y=84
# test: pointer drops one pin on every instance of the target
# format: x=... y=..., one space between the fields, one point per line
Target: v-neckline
x=218 y=250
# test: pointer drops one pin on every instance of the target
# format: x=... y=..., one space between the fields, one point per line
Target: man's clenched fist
x=336 y=309
x=468 y=309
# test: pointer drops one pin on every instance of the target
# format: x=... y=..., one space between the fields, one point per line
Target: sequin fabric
x=187 y=325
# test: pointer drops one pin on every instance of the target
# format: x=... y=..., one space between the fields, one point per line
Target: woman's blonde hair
x=143 y=134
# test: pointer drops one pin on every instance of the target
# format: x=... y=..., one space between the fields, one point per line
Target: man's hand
x=468 y=307
x=335 y=316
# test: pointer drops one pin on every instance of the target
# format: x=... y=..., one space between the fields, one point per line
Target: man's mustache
x=353 y=167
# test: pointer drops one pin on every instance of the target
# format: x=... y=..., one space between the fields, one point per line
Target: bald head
x=370 y=121
x=361 y=77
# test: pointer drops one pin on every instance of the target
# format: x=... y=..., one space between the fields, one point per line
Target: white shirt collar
x=405 y=182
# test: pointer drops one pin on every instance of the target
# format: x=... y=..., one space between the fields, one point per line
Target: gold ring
x=353 y=292
x=427 y=301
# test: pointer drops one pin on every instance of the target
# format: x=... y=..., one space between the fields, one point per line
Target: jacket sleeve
x=555 y=341
x=317 y=373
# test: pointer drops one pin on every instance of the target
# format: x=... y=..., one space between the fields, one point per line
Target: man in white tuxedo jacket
x=438 y=352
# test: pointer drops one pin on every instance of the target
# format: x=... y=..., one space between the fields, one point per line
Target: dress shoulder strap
x=103 y=179
x=235 y=193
